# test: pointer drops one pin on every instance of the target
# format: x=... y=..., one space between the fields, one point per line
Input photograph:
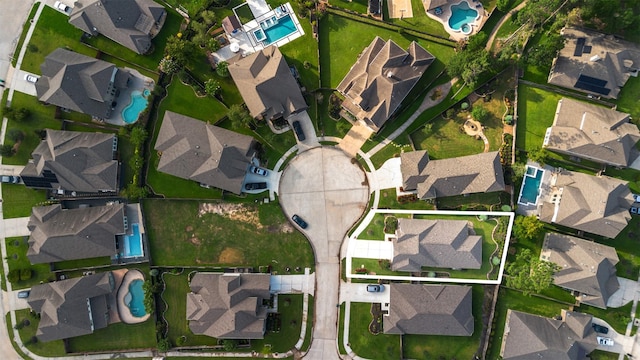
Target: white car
x=60 y=6
x=636 y=197
x=605 y=341
x=31 y=78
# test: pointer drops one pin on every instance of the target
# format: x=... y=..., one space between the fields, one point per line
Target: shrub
x=25 y=274
x=222 y=69
x=15 y=135
x=229 y=344
x=181 y=340
x=164 y=345
x=6 y=150
x=13 y=276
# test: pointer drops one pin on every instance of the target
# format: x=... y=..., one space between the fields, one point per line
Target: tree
x=138 y=136
x=169 y=66
x=518 y=170
x=164 y=345
x=25 y=274
x=480 y=113
x=530 y=274
x=223 y=69
x=450 y=113
x=14 y=275
x=239 y=116
x=547 y=48
x=503 y=5
x=180 y=50
x=6 y=150
x=15 y=135
x=213 y=44
x=19 y=114
x=208 y=17
x=527 y=228
x=538 y=155
x=229 y=344
x=212 y=87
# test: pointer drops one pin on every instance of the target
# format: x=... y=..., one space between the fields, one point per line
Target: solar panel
x=592 y=88
x=586 y=49
x=591 y=80
x=579 y=46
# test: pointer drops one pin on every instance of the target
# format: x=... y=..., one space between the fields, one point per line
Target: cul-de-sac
x=320 y=179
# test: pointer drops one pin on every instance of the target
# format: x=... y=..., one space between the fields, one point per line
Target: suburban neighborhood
x=325 y=179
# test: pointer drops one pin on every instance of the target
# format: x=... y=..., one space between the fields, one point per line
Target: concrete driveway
x=311 y=139
x=22 y=85
x=388 y=176
x=625 y=294
x=13 y=170
x=357 y=292
x=330 y=192
x=371 y=249
x=289 y=284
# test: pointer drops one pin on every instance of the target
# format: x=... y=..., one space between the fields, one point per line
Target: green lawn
x=626 y=244
x=19 y=199
x=359 y=6
x=448 y=347
x=389 y=200
x=628 y=98
x=446 y=139
x=364 y=343
x=420 y=21
x=48 y=349
x=117 y=336
x=325 y=124
x=192 y=6
x=17 y=259
x=290 y=309
x=25 y=29
x=397 y=146
x=536 y=109
x=193 y=240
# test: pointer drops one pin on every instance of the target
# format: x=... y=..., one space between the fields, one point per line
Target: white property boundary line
x=370 y=216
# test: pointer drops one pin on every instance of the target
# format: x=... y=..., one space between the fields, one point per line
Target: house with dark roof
x=451 y=244
x=451 y=177
x=69 y=234
x=429 y=310
x=587 y=269
x=534 y=337
x=194 y=150
x=381 y=78
x=74 y=161
x=73 y=307
x=80 y=83
x=267 y=84
x=130 y=23
x=594 y=63
x=592 y=132
x=594 y=204
x=228 y=306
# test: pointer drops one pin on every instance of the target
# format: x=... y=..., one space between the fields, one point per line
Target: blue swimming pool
x=462 y=16
x=531 y=186
x=138 y=104
x=282 y=27
x=133 y=243
x=135 y=298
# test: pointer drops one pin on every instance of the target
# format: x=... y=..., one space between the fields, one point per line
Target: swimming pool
x=134 y=299
x=136 y=106
x=133 y=243
x=530 y=189
x=277 y=29
x=462 y=16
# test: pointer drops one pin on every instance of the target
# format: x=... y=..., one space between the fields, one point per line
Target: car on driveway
x=298 y=220
x=31 y=78
x=255 y=186
x=636 y=197
x=298 y=129
x=7 y=179
x=24 y=294
x=600 y=329
x=605 y=341
x=259 y=171
x=375 y=288
x=61 y=6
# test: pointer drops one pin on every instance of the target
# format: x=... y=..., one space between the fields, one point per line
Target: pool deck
x=138 y=82
x=546 y=189
x=114 y=315
x=123 y=310
x=443 y=18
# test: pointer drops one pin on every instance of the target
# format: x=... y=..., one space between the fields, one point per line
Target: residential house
x=592 y=132
x=587 y=268
x=594 y=63
x=267 y=84
x=228 y=306
x=192 y=149
x=77 y=82
x=130 y=23
x=69 y=234
x=381 y=78
x=594 y=204
x=451 y=244
x=74 y=161
x=451 y=177
x=429 y=310
x=534 y=337
x=73 y=307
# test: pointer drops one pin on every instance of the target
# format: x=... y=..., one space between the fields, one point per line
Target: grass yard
x=359 y=6
x=536 y=109
x=374 y=267
x=48 y=349
x=117 y=336
x=445 y=138
x=192 y=7
x=367 y=345
x=626 y=244
x=420 y=21
x=19 y=199
x=290 y=309
x=193 y=240
x=397 y=146
x=17 y=259
x=448 y=347
x=25 y=29
x=389 y=200
x=628 y=98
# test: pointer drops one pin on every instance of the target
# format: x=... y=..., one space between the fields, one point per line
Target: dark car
x=24 y=294
x=298 y=220
x=375 y=288
x=298 y=129
x=255 y=186
x=600 y=329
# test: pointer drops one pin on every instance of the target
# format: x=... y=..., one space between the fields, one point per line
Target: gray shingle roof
x=228 y=306
x=381 y=78
x=80 y=83
x=266 y=84
x=63 y=309
x=81 y=161
x=533 y=337
x=592 y=132
x=429 y=310
x=450 y=177
x=194 y=150
x=606 y=58
x=127 y=22
x=450 y=244
x=58 y=235
x=585 y=266
x=432 y=4
x=594 y=204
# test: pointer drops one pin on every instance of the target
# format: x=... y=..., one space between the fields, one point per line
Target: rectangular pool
x=282 y=28
x=133 y=243
x=530 y=189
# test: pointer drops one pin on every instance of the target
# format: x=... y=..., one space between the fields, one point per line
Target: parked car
x=255 y=186
x=298 y=129
x=31 y=78
x=60 y=6
x=24 y=294
x=7 y=179
x=375 y=288
x=605 y=341
x=634 y=210
x=600 y=329
x=259 y=171
x=298 y=220
x=636 y=197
